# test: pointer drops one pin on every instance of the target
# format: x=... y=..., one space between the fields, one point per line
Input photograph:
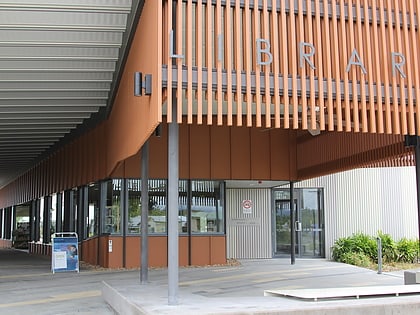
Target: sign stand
x=65 y=252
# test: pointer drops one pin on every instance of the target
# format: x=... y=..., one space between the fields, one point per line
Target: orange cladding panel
x=220 y=152
x=134 y=118
x=184 y=151
x=200 y=151
x=217 y=250
x=260 y=153
x=280 y=148
x=240 y=153
x=132 y=166
x=158 y=256
x=183 y=250
x=115 y=258
x=200 y=250
x=132 y=251
x=158 y=150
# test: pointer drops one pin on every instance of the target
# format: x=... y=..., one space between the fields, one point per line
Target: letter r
x=397 y=66
x=304 y=55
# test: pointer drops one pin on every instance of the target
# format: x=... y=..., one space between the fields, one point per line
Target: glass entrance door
x=283 y=231
x=309 y=222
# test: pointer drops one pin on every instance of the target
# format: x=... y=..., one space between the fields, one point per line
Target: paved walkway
x=27 y=286
x=240 y=290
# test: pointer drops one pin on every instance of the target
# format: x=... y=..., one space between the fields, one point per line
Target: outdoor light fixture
x=142 y=82
x=158 y=131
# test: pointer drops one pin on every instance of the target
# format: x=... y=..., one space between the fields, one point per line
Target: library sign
x=306 y=54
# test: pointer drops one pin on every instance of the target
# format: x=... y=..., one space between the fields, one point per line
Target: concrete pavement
x=240 y=290
x=27 y=286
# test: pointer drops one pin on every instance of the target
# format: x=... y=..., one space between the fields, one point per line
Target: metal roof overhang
x=60 y=63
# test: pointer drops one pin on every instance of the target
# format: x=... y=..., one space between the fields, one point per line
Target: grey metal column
x=414 y=141
x=124 y=219
x=46 y=223
x=13 y=220
x=173 y=177
x=59 y=214
x=69 y=215
x=82 y=213
x=292 y=227
x=102 y=207
x=32 y=219
x=144 y=212
x=37 y=220
x=2 y=223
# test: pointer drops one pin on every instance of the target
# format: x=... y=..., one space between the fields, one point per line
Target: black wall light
x=142 y=82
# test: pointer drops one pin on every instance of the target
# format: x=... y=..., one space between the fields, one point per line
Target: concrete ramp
x=347 y=292
x=152 y=300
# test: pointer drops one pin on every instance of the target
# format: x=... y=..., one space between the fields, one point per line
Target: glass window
x=200 y=207
x=206 y=207
x=75 y=211
x=134 y=206
x=53 y=214
x=113 y=207
x=93 y=209
x=183 y=206
x=157 y=206
x=41 y=218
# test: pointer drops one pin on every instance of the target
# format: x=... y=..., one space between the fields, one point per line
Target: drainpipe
x=417 y=156
x=414 y=141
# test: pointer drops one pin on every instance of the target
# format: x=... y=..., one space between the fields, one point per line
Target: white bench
x=411 y=276
x=346 y=292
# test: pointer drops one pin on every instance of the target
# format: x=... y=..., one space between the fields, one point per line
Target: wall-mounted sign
x=245 y=222
x=247 y=206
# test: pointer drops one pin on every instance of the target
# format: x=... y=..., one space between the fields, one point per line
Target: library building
x=195 y=126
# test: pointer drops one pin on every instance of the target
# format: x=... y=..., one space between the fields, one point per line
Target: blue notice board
x=65 y=252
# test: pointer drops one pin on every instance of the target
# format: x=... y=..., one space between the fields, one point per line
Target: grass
x=395 y=266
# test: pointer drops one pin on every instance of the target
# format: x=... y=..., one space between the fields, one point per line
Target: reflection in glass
x=206 y=207
x=93 y=209
x=113 y=207
x=157 y=206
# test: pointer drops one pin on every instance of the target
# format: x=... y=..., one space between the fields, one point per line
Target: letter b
x=265 y=50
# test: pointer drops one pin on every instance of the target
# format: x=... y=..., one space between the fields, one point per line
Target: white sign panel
x=244 y=222
x=60 y=260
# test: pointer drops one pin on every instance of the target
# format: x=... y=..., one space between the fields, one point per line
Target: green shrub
x=366 y=244
x=407 y=250
x=389 y=248
x=341 y=247
x=357 y=243
x=362 y=250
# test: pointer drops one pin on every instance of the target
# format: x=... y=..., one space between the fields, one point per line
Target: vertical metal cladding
x=328 y=65
x=248 y=223
x=368 y=200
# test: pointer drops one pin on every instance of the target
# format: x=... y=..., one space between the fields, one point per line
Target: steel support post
x=173 y=178
x=144 y=212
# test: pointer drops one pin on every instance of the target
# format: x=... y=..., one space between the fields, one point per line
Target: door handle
x=298 y=226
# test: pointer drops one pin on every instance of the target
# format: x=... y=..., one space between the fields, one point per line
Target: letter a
x=355 y=60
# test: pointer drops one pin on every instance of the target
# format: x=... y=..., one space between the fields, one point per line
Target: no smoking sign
x=247 y=206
